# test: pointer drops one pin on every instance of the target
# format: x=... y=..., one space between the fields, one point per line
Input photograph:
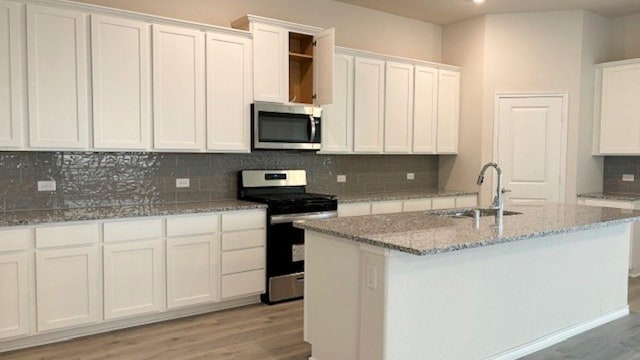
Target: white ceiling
x=448 y=11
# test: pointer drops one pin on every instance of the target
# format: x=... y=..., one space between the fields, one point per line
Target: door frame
x=564 y=136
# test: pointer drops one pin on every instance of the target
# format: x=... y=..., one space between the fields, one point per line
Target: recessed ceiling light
x=478 y=1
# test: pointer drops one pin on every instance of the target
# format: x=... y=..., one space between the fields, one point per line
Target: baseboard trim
x=93 y=329
x=560 y=336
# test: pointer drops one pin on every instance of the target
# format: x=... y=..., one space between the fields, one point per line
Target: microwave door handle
x=312 y=122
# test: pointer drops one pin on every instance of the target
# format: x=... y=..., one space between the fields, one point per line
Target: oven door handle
x=287 y=218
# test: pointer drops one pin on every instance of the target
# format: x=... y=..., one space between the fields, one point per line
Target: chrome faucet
x=498 y=201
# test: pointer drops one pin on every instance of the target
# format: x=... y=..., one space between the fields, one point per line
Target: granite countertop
x=34 y=217
x=423 y=233
x=611 y=196
x=401 y=195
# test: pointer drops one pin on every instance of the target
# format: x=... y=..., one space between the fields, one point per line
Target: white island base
x=502 y=301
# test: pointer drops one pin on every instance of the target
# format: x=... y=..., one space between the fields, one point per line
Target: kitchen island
x=427 y=285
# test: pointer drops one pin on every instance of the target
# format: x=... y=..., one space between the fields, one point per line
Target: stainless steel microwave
x=277 y=126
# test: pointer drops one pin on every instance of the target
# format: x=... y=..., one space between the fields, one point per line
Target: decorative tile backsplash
x=615 y=167
x=85 y=179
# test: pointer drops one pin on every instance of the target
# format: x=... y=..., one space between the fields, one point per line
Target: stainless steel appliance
x=284 y=192
x=277 y=126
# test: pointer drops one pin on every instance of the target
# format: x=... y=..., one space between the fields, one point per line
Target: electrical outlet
x=49 y=185
x=372 y=277
x=342 y=178
x=628 y=177
x=182 y=183
x=411 y=176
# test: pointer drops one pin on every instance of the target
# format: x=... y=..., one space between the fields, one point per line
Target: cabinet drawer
x=443 y=203
x=133 y=230
x=356 y=209
x=243 y=260
x=609 y=203
x=466 y=201
x=13 y=240
x=245 y=283
x=416 y=205
x=192 y=225
x=54 y=236
x=386 y=207
x=243 y=239
x=245 y=220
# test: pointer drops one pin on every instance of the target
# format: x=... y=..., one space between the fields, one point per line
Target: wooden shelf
x=300 y=57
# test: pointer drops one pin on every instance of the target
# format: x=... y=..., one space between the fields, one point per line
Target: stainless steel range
x=284 y=192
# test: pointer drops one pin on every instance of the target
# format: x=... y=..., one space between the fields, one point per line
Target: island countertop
x=423 y=233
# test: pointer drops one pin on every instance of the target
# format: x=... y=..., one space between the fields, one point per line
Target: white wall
x=531 y=53
x=463 y=44
x=596 y=48
x=356 y=27
x=626 y=37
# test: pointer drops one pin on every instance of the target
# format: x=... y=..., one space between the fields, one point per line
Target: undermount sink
x=470 y=213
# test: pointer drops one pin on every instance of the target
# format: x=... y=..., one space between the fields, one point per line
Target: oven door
x=285 y=255
x=286 y=127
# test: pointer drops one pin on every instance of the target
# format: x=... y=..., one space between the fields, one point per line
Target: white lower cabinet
x=89 y=273
x=192 y=270
x=416 y=205
x=133 y=278
x=243 y=256
x=388 y=207
x=67 y=287
x=14 y=294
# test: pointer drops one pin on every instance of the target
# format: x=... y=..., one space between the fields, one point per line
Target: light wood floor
x=275 y=332
x=252 y=332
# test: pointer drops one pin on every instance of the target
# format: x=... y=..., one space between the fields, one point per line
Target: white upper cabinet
x=337 y=118
x=425 y=110
x=12 y=84
x=398 y=119
x=369 y=105
x=620 y=110
x=292 y=63
x=448 y=111
x=229 y=92
x=57 y=68
x=270 y=70
x=178 y=88
x=323 y=67
x=121 y=52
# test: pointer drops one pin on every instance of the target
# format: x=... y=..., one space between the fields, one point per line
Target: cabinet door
x=120 y=58
x=178 y=88
x=133 y=278
x=11 y=86
x=368 y=105
x=270 y=63
x=323 y=60
x=337 y=118
x=57 y=68
x=620 y=110
x=448 y=111
x=398 y=118
x=192 y=270
x=229 y=93
x=425 y=110
x=386 y=207
x=14 y=294
x=67 y=287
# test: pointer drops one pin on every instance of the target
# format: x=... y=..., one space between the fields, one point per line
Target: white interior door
x=530 y=147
